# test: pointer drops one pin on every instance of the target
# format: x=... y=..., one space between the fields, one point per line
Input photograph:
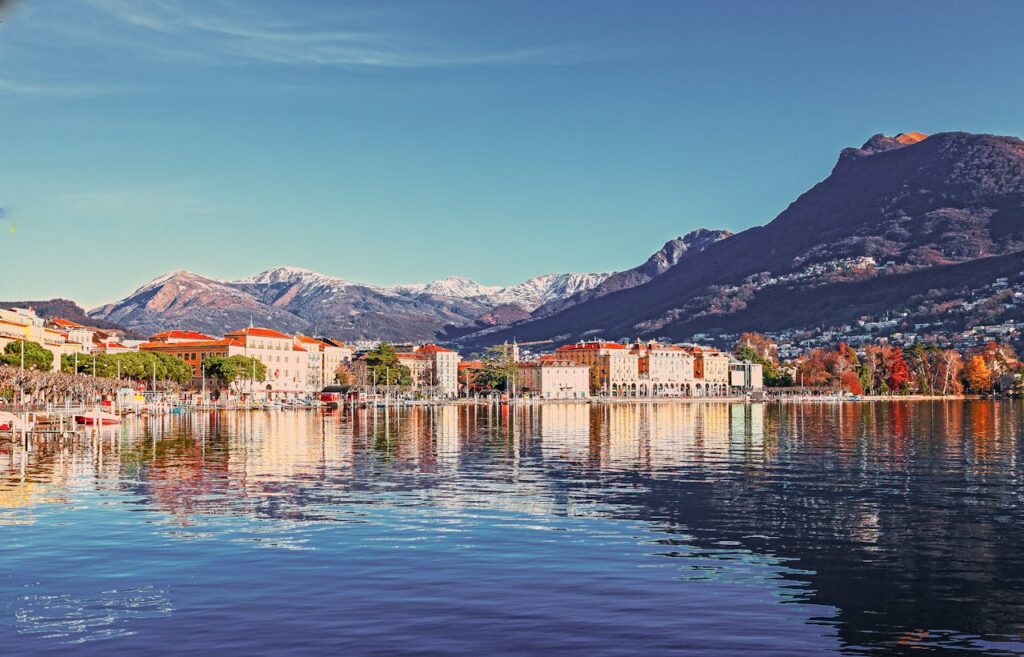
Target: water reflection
x=873 y=527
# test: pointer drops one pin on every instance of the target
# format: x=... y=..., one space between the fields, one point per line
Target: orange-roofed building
x=324 y=357
x=180 y=336
x=443 y=369
x=193 y=353
x=75 y=332
x=664 y=370
x=614 y=369
x=286 y=362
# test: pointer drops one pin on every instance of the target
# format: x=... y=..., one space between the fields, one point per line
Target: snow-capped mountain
x=458 y=287
x=528 y=295
x=298 y=299
x=292 y=276
x=539 y=290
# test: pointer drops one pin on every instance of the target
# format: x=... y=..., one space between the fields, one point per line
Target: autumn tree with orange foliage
x=762 y=345
x=897 y=371
x=978 y=374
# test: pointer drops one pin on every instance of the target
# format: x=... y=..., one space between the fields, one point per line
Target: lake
x=624 y=529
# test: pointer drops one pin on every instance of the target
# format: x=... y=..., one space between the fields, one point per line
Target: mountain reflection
x=903 y=517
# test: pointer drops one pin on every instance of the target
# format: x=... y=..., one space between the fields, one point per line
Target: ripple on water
x=74 y=619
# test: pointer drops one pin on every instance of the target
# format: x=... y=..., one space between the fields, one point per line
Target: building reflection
x=904 y=517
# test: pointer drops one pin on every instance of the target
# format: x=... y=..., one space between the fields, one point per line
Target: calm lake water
x=647 y=529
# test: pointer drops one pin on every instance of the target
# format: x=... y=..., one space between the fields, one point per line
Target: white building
x=443 y=368
x=287 y=363
x=548 y=378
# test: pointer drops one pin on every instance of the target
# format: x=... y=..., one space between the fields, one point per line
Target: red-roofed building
x=111 y=347
x=663 y=370
x=180 y=336
x=325 y=357
x=195 y=352
x=614 y=369
x=443 y=369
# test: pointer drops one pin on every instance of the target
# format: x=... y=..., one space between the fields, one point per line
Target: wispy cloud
x=11 y=87
x=135 y=203
x=228 y=32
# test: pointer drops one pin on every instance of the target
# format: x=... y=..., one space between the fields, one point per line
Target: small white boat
x=98 y=418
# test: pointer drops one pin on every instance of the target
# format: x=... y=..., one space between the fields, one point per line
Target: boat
x=9 y=423
x=98 y=418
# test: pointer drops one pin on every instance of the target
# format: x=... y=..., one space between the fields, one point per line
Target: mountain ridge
x=939 y=200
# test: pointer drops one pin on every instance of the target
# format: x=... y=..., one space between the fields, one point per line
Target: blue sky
x=391 y=142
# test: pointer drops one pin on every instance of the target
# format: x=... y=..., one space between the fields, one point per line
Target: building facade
x=553 y=379
x=443 y=369
x=613 y=368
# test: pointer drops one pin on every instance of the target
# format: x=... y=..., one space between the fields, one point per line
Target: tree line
x=134 y=365
x=887 y=369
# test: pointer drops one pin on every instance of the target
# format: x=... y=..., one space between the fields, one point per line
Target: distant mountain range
x=912 y=223
x=293 y=299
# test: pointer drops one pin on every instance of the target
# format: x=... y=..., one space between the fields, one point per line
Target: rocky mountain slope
x=65 y=309
x=889 y=212
x=294 y=299
x=661 y=261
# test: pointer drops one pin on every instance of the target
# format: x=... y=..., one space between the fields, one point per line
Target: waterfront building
x=175 y=336
x=19 y=324
x=74 y=332
x=663 y=370
x=287 y=363
x=336 y=354
x=745 y=377
x=195 y=352
x=614 y=369
x=549 y=378
x=443 y=368
x=710 y=371
x=419 y=367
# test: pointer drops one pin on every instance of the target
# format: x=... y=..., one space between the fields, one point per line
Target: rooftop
x=257 y=332
x=180 y=335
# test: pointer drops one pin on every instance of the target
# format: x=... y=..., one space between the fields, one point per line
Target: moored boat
x=9 y=422
x=97 y=418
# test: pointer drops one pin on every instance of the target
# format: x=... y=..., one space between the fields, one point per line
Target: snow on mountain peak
x=458 y=287
x=537 y=291
x=292 y=276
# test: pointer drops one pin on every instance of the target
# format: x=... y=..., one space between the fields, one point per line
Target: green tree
x=382 y=366
x=774 y=377
x=498 y=370
x=135 y=365
x=231 y=369
x=36 y=357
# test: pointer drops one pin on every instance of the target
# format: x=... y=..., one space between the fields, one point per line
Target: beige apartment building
x=23 y=324
x=710 y=371
x=663 y=370
x=287 y=363
x=323 y=360
x=613 y=367
x=443 y=368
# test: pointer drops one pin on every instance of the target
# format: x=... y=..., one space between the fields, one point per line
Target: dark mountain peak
x=881 y=143
x=673 y=250
x=897 y=206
